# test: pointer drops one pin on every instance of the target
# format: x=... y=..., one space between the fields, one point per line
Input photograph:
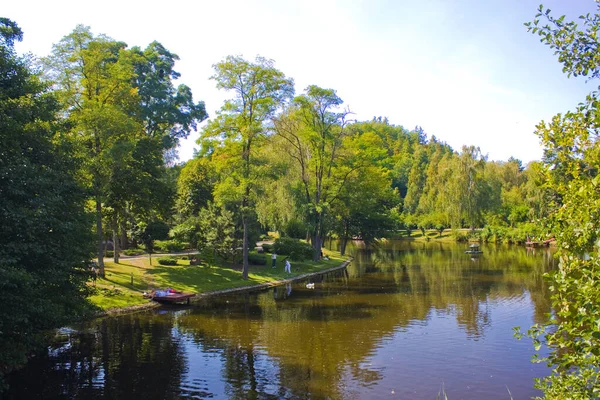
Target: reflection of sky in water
x=203 y=374
x=420 y=358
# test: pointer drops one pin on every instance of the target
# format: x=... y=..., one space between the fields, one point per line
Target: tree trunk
x=124 y=243
x=245 y=250
x=316 y=239
x=115 y=229
x=343 y=244
x=100 y=237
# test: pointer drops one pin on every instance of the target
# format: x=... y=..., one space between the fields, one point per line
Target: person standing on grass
x=288 y=267
x=273 y=259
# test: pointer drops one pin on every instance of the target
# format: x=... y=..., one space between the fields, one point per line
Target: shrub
x=257 y=259
x=167 y=260
x=267 y=247
x=109 y=253
x=487 y=234
x=133 y=252
x=460 y=236
x=293 y=248
x=169 y=246
x=174 y=246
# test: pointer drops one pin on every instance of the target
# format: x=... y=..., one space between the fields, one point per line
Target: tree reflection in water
x=299 y=342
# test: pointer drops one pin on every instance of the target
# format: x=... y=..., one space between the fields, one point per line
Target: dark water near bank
x=401 y=322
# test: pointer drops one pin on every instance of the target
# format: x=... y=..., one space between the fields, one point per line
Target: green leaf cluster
x=43 y=224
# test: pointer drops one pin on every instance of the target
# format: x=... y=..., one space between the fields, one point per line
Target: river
x=406 y=320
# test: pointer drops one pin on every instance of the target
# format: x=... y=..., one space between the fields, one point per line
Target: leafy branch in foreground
x=572 y=157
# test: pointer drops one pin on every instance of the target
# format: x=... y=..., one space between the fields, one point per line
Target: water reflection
x=403 y=317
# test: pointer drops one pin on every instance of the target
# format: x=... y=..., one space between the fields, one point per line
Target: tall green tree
x=416 y=181
x=318 y=141
x=259 y=90
x=93 y=79
x=128 y=117
x=43 y=224
x=363 y=208
x=570 y=140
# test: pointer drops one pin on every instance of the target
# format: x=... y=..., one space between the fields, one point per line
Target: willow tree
x=259 y=90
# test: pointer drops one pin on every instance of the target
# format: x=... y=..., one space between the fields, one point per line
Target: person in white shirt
x=288 y=267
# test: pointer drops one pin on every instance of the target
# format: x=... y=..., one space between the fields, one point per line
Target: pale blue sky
x=466 y=71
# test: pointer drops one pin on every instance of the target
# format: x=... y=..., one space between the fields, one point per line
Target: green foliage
x=133 y=252
x=170 y=260
x=217 y=232
x=187 y=231
x=257 y=259
x=125 y=117
x=167 y=111
x=267 y=247
x=43 y=225
x=294 y=248
x=296 y=229
x=572 y=154
x=259 y=90
x=195 y=186
x=313 y=133
x=512 y=235
x=169 y=246
x=460 y=236
x=148 y=233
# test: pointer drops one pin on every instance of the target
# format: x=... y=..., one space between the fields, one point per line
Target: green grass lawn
x=115 y=290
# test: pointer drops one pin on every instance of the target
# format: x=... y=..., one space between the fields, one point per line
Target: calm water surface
x=403 y=320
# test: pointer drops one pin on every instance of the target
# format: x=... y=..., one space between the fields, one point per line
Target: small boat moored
x=474 y=249
x=171 y=296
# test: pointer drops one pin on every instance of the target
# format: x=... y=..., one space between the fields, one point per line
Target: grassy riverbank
x=115 y=290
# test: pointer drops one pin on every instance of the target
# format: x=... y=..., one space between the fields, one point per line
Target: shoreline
x=202 y=296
